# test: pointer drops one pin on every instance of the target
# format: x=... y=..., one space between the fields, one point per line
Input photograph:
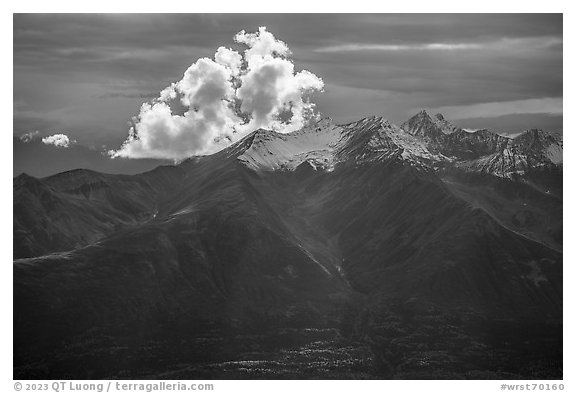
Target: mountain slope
x=484 y=151
x=356 y=251
x=76 y=208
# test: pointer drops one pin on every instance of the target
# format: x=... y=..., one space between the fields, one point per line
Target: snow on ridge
x=287 y=151
x=323 y=144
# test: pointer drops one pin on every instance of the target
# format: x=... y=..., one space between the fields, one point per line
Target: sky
x=85 y=75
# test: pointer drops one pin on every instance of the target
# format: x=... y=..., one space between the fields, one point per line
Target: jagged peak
x=418 y=140
x=536 y=133
x=382 y=121
x=445 y=126
x=421 y=116
x=533 y=134
x=537 y=138
x=424 y=115
x=379 y=119
x=432 y=126
x=371 y=124
x=422 y=124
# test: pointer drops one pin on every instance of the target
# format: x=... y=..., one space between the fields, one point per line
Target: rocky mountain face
x=484 y=151
x=363 y=250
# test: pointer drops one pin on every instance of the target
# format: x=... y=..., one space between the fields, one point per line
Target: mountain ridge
x=361 y=245
x=424 y=143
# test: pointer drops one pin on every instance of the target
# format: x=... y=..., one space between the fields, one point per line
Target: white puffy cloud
x=261 y=46
x=223 y=99
x=271 y=89
x=229 y=58
x=58 y=140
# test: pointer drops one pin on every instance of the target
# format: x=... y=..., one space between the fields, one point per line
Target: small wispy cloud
x=505 y=43
x=395 y=48
x=29 y=136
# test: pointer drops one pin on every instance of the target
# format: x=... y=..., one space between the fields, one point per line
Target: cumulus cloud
x=58 y=140
x=29 y=136
x=220 y=100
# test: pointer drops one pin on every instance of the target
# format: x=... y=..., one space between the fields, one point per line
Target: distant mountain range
x=364 y=250
x=37 y=159
x=423 y=141
x=496 y=153
x=484 y=151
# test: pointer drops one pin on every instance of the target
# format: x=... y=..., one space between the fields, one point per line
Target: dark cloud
x=69 y=68
x=57 y=31
x=465 y=76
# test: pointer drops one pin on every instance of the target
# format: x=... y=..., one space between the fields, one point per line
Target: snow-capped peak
x=271 y=151
x=445 y=126
x=323 y=144
x=423 y=141
x=425 y=126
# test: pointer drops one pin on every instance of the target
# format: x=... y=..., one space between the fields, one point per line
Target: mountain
x=430 y=128
x=324 y=145
x=363 y=250
x=37 y=159
x=79 y=207
x=485 y=151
